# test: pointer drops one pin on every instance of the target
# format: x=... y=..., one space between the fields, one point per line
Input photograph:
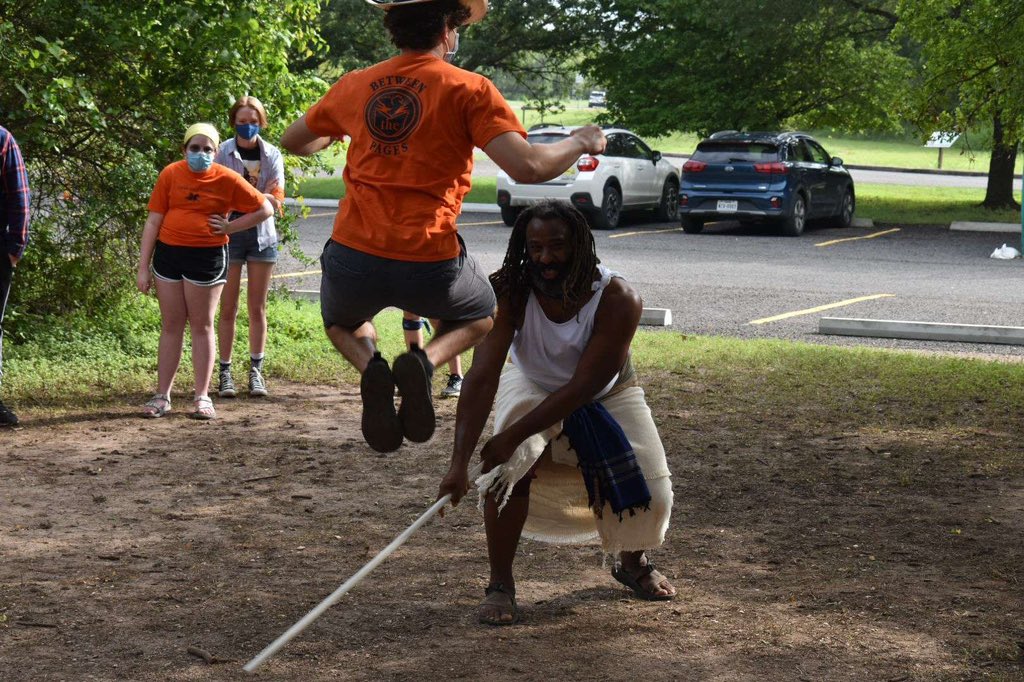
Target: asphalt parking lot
x=747 y=282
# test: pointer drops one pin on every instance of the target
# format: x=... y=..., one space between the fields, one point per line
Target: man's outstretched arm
x=475 y=402
x=302 y=141
x=532 y=163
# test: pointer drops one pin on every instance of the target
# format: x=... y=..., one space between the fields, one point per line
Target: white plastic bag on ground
x=1005 y=252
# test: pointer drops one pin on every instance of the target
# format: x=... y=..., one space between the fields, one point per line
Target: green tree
x=972 y=66
x=98 y=94
x=530 y=42
x=703 y=65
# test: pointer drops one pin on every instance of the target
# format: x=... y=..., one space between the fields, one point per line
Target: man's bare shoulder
x=620 y=295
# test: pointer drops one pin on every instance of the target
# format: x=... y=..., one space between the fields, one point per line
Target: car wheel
x=845 y=216
x=793 y=224
x=607 y=218
x=668 y=209
x=510 y=213
x=692 y=225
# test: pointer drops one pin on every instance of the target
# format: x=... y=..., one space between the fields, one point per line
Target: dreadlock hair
x=513 y=280
x=416 y=26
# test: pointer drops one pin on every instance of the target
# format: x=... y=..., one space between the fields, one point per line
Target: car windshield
x=545 y=138
x=736 y=152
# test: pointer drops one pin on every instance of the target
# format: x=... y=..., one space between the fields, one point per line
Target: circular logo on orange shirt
x=392 y=114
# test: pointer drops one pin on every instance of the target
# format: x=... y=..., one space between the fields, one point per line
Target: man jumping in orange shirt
x=413 y=121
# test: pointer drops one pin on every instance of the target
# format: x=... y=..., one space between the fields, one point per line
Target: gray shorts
x=245 y=246
x=355 y=286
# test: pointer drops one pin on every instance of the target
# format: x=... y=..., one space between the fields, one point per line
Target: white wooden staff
x=301 y=625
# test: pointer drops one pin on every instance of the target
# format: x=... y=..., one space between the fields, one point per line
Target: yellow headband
x=202 y=129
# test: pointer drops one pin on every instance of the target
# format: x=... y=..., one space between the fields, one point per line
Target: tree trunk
x=999 y=192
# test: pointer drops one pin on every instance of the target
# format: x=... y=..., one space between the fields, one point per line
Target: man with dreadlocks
x=568 y=403
x=413 y=122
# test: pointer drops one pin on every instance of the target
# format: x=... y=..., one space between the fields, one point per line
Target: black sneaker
x=381 y=428
x=257 y=384
x=7 y=418
x=412 y=373
x=227 y=385
x=454 y=387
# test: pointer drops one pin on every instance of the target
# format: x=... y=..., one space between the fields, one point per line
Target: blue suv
x=787 y=178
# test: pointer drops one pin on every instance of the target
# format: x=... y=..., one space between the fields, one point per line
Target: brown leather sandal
x=633 y=582
x=502 y=598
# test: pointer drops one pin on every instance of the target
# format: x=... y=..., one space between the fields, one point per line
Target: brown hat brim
x=477 y=8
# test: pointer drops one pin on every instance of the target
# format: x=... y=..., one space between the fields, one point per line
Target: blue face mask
x=247 y=131
x=198 y=161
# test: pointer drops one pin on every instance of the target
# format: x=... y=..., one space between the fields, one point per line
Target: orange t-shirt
x=187 y=200
x=413 y=121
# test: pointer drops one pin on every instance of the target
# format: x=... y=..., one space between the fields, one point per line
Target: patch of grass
x=838 y=388
x=927 y=205
x=484 y=190
x=817 y=387
x=87 y=363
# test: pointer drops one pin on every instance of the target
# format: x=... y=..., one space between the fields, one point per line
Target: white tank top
x=547 y=352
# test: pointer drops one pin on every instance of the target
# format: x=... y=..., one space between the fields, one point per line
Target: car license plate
x=726 y=206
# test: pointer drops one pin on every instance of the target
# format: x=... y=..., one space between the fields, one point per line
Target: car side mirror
x=656 y=157
x=836 y=161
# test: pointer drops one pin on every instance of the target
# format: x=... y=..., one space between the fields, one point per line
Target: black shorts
x=204 y=266
x=355 y=286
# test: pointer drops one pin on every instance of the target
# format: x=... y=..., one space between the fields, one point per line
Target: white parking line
x=829 y=306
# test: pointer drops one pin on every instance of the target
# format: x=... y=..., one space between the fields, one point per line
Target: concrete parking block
x=923 y=331
x=862 y=222
x=656 y=317
x=965 y=226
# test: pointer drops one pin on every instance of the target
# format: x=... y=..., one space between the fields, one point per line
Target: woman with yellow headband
x=185 y=238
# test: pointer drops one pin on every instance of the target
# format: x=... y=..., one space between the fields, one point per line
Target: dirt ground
x=799 y=553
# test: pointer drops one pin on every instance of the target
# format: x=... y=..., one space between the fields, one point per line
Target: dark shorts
x=204 y=266
x=355 y=286
x=245 y=246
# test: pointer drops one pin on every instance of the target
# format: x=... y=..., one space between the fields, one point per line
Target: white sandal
x=204 y=408
x=157 y=406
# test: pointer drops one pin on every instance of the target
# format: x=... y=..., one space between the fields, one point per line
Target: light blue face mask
x=199 y=161
x=247 y=131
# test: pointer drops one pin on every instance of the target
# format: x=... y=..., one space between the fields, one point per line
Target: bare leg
x=455 y=364
x=503 y=533
x=357 y=346
x=201 y=304
x=229 y=312
x=412 y=335
x=173 y=316
x=452 y=338
x=258 y=288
